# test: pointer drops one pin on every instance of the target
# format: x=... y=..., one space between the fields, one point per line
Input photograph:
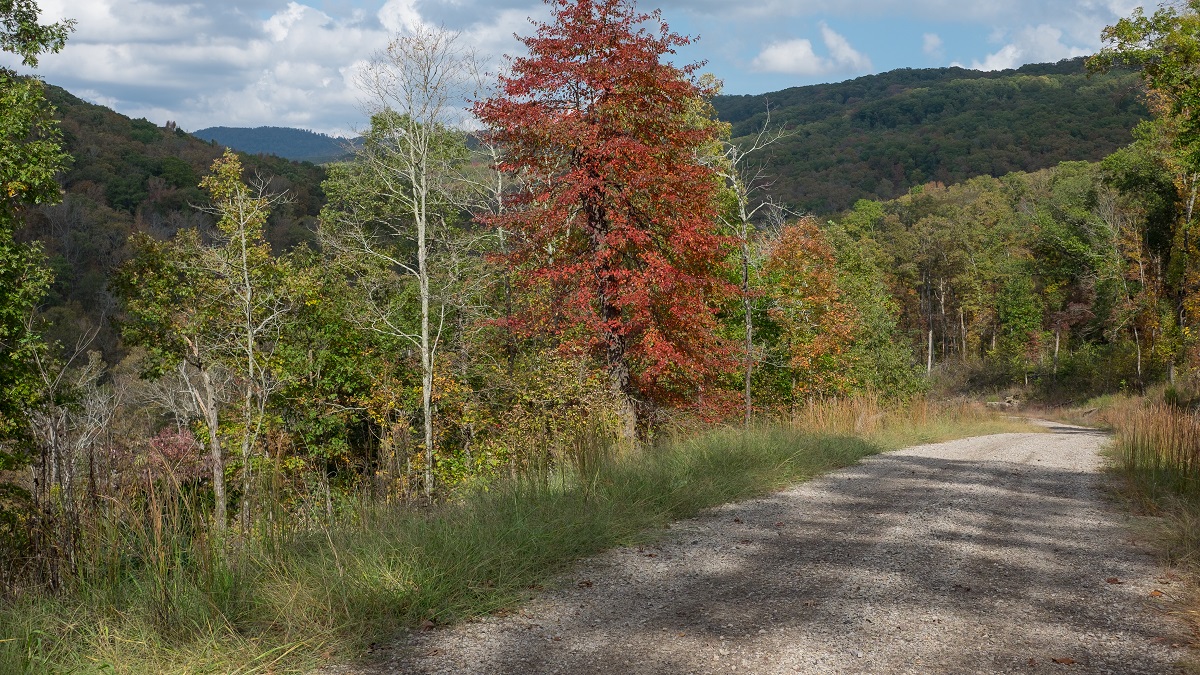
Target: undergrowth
x=287 y=602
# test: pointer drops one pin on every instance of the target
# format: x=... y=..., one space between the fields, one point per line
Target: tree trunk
x=1137 y=341
x=962 y=329
x=929 y=362
x=614 y=342
x=1057 y=335
x=208 y=408
x=747 y=307
x=426 y=347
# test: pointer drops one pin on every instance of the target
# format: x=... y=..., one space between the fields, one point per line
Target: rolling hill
x=877 y=136
x=294 y=144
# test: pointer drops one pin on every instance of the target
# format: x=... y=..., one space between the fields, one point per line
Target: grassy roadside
x=1155 y=456
x=287 y=604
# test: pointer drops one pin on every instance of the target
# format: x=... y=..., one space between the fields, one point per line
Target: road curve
x=996 y=554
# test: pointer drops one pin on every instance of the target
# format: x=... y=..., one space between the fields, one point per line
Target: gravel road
x=997 y=554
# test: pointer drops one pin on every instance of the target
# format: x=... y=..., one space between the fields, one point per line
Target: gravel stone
x=995 y=554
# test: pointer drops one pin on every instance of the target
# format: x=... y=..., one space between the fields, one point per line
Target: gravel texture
x=997 y=554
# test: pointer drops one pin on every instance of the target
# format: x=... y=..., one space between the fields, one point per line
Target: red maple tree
x=617 y=227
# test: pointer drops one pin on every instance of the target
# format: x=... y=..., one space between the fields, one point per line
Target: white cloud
x=280 y=24
x=931 y=44
x=842 y=55
x=1030 y=45
x=797 y=57
x=251 y=63
x=129 y=20
x=981 y=11
x=401 y=16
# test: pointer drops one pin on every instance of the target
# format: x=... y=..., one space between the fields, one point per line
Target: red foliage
x=177 y=452
x=616 y=234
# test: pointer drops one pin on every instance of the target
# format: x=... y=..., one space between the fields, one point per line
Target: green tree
x=1165 y=47
x=879 y=358
x=211 y=313
x=30 y=156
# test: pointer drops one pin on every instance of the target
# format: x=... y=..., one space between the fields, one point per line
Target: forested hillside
x=126 y=176
x=876 y=136
x=294 y=144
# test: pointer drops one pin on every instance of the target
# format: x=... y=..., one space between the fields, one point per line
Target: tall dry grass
x=912 y=423
x=1156 y=448
x=1160 y=442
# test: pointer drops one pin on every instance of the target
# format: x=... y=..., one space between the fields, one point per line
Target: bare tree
x=745 y=183
x=72 y=414
x=410 y=161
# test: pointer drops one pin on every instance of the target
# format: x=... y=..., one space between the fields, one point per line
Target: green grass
x=288 y=603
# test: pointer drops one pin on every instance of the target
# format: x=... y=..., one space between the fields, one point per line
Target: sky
x=295 y=63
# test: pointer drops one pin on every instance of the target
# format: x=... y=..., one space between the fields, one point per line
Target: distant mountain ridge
x=878 y=136
x=295 y=144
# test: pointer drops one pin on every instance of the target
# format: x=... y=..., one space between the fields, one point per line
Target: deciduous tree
x=392 y=211
x=30 y=156
x=618 y=224
x=814 y=326
x=213 y=311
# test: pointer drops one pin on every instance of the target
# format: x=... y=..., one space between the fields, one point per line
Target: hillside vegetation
x=130 y=175
x=876 y=136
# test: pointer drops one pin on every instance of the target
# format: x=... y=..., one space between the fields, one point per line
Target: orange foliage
x=816 y=327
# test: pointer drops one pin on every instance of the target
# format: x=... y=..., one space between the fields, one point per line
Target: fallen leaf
x=651 y=555
x=586 y=583
x=1064 y=661
x=556 y=638
x=1032 y=662
x=428 y=624
x=1156 y=593
x=1114 y=580
x=745 y=541
x=779 y=524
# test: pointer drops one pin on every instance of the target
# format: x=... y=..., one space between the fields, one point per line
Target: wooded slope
x=875 y=137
